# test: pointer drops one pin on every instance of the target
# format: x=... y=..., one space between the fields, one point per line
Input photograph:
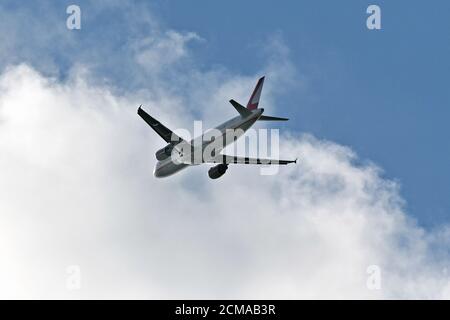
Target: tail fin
x=254 y=98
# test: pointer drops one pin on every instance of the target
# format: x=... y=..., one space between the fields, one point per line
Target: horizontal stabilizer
x=243 y=111
x=269 y=118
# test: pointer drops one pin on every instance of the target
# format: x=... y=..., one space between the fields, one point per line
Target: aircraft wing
x=159 y=128
x=226 y=159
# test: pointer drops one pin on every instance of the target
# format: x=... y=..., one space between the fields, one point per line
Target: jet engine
x=217 y=171
x=164 y=153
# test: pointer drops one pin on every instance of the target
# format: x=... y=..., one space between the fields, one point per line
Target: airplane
x=178 y=153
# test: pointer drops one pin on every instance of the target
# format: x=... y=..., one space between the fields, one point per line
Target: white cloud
x=157 y=52
x=76 y=189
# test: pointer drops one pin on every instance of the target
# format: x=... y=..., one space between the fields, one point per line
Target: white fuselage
x=237 y=124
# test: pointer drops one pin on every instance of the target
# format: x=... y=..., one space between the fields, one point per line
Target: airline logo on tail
x=254 y=98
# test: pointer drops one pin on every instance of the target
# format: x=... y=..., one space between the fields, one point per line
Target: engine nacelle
x=164 y=153
x=217 y=171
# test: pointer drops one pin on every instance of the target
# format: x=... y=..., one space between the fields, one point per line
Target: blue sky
x=384 y=93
